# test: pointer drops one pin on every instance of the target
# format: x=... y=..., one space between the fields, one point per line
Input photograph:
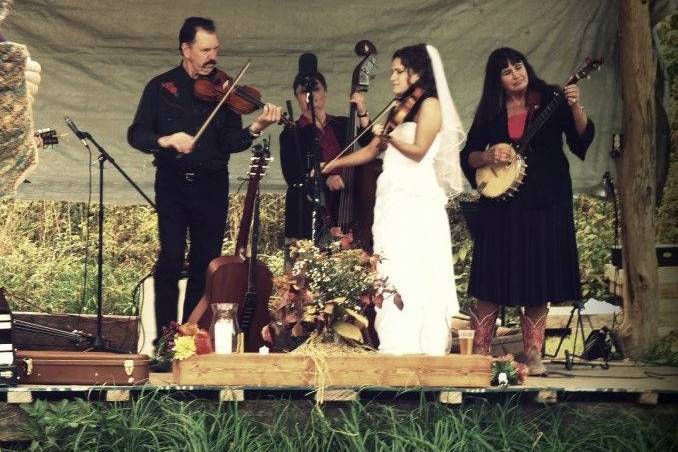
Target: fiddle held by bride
x=421 y=169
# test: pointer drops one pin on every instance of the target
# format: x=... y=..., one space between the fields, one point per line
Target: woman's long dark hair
x=493 y=99
x=417 y=60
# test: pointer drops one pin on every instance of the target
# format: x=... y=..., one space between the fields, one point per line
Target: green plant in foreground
x=160 y=423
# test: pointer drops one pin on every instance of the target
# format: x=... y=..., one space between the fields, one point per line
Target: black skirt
x=525 y=256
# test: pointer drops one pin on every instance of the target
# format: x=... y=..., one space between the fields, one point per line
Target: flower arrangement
x=326 y=291
x=506 y=371
x=183 y=341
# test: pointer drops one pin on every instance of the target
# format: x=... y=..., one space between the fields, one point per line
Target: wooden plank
x=668 y=290
x=351 y=370
x=336 y=395
x=451 y=397
x=668 y=275
x=231 y=395
x=117 y=395
x=546 y=397
x=668 y=306
x=19 y=396
x=648 y=398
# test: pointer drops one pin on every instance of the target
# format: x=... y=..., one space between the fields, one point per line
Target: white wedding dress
x=412 y=235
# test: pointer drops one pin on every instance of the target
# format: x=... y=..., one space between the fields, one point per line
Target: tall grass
x=47 y=249
x=161 y=423
x=48 y=252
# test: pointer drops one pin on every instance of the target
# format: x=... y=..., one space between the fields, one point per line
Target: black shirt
x=548 y=171
x=168 y=106
x=298 y=207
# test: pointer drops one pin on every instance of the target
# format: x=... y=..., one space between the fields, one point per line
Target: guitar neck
x=250 y=300
x=251 y=273
x=246 y=220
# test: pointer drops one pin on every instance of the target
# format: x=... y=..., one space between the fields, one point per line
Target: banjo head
x=501 y=180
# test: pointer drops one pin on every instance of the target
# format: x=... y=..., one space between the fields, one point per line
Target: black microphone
x=81 y=135
x=308 y=68
x=308 y=64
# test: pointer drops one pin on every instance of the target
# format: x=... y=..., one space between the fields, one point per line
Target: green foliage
x=338 y=274
x=159 y=423
x=462 y=250
x=664 y=352
x=594 y=223
x=44 y=246
x=48 y=249
x=667 y=212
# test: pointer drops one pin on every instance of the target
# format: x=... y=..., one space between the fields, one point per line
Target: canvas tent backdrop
x=98 y=55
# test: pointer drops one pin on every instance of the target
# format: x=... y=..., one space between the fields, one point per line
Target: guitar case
x=81 y=368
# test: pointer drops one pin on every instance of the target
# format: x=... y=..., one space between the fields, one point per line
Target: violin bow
x=221 y=102
x=386 y=109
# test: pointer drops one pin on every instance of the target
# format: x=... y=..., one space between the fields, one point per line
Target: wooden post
x=636 y=177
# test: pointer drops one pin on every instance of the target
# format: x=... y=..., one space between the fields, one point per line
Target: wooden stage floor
x=622 y=381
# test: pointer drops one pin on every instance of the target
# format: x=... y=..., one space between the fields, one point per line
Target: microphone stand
x=300 y=163
x=78 y=337
x=104 y=156
x=313 y=161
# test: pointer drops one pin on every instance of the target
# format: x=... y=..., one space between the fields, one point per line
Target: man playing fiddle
x=191 y=183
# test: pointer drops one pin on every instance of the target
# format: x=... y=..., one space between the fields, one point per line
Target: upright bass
x=356 y=204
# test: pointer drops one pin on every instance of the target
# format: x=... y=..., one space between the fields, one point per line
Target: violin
x=244 y=99
x=403 y=108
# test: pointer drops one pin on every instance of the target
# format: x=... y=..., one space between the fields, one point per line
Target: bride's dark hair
x=416 y=59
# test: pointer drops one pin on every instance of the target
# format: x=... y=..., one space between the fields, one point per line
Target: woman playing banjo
x=525 y=253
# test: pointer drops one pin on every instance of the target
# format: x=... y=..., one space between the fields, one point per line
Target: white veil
x=451 y=135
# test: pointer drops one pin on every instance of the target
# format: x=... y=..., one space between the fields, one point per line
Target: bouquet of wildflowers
x=183 y=341
x=506 y=371
x=326 y=291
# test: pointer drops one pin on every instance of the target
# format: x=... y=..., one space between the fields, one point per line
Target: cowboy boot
x=483 y=322
x=533 y=324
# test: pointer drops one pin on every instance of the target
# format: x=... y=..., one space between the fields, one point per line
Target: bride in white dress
x=411 y=229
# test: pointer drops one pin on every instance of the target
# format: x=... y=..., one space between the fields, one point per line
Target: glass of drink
x=466 y=341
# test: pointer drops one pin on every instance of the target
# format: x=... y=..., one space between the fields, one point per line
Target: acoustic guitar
x=237 y=278
x=503 y=180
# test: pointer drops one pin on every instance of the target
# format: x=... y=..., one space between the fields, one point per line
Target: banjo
x=503 y=180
